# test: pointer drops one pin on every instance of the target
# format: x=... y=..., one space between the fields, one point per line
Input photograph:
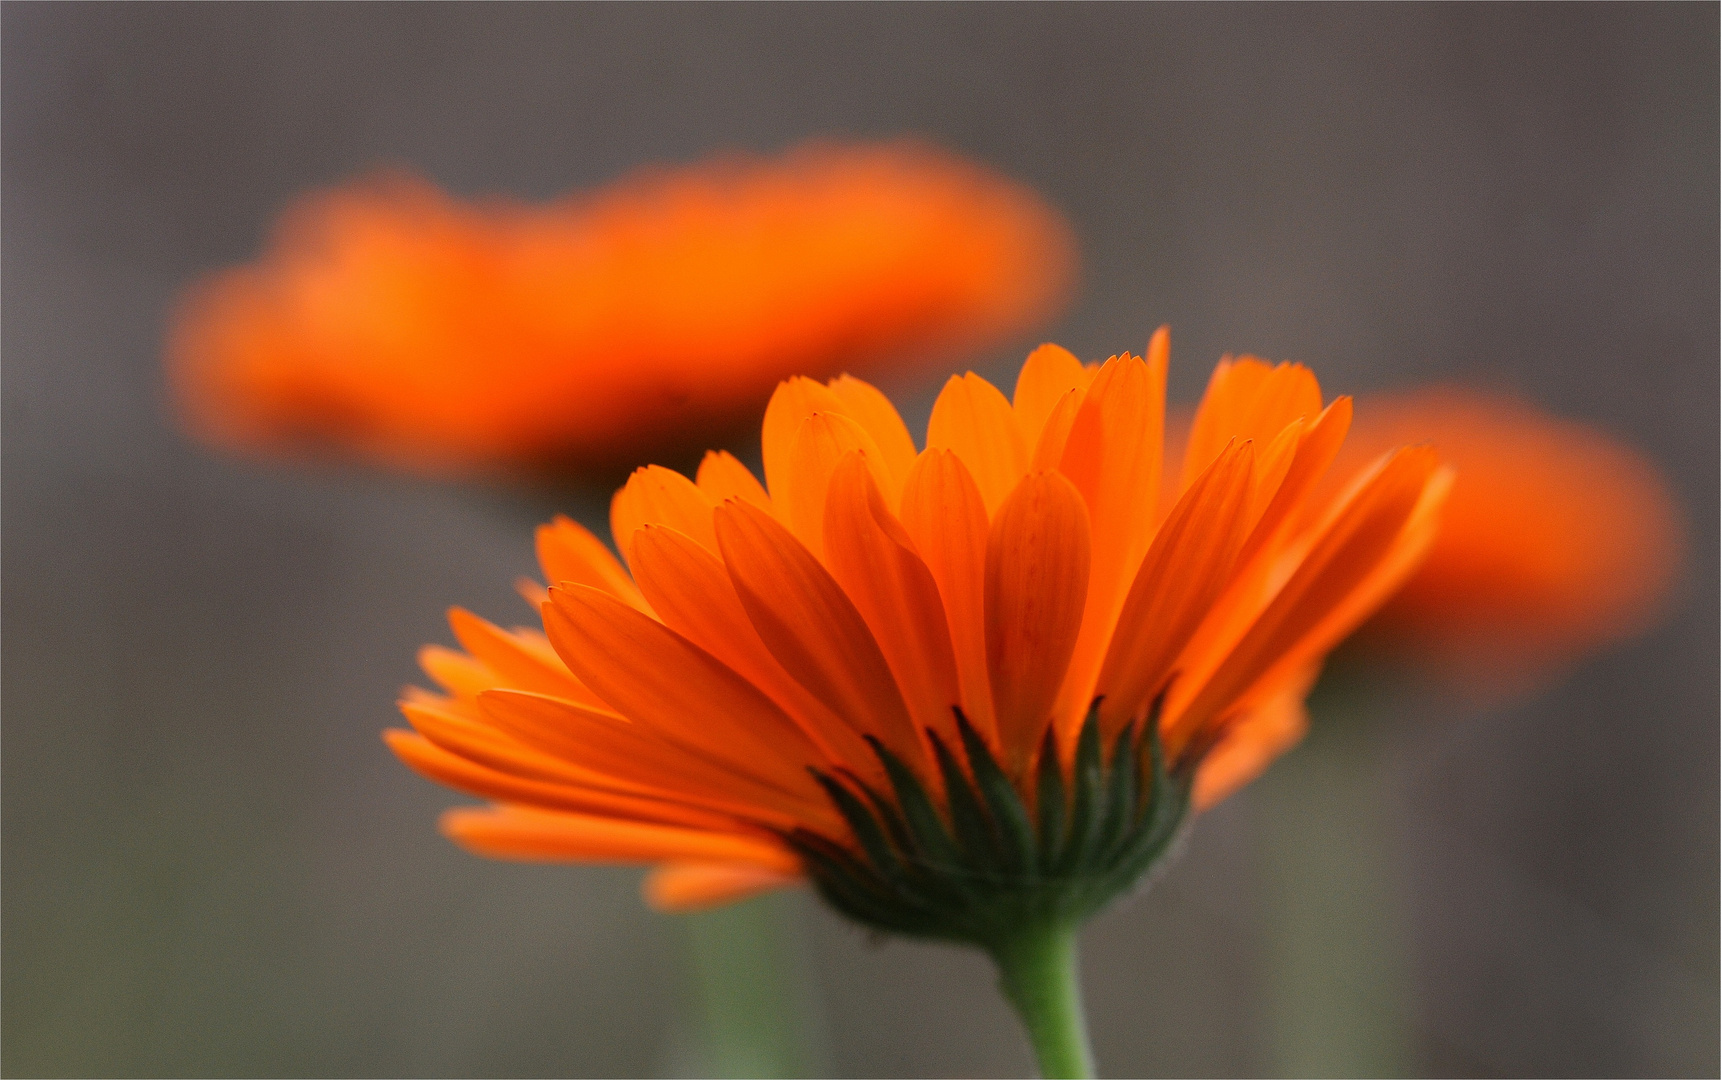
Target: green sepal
x=971 y=863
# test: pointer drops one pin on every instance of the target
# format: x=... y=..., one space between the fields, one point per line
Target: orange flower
x=391 y=322
x=986 y=657
x=1556 y=540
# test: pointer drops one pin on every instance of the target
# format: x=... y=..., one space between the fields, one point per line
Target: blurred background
x=213 y=866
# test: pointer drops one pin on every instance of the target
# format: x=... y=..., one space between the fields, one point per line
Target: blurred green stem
x=757 y=1008
x=1338 y=970
x=1038 y=972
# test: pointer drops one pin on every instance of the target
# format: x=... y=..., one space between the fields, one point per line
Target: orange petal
x=568 y=551
x=689 y=886
x=866 y=406
x=812 y=627
x=1113 y=459
x=1055 y=433
x=654 y=676
x=444 y=767
x=518 y=832
x=794 y=400
x=638 y=758
x=722 y=477
x=1248 y=399
x=1184 y=571
x=822 y=441
x=690 y=590
x=1037 y=560
x=1316 y=448
x=456 y=672
x=1358 y=540
x=1254 y=741
x=972 y=419
x=581 y=785
x=515 y=662
x=944 y=516
x=658 y=496
x=1051 y=371
x=870 y=555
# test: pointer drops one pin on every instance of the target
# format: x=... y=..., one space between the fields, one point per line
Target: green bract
x=985 y=868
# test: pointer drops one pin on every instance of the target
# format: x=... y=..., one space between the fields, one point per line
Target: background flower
x=389 y=321
x=1557 y=540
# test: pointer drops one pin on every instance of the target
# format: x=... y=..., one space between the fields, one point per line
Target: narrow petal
x=721 y=477
x=1317 y=445
x=641 y=757
x=795 y=400
x=496 y=748
x=1054 y=436
x=569 y=552
x=456 y=672
x=972 y=419
x=654 y=676
x=519 y=832
x=812 y=627
x=1184 y=571
x=866 y=406
x=658 y=496
x=690 y=886
x=1050 y=372
x=691 y=592
x=822 y=441
x=874 y=560
x=943 y=514
x=463 y=774
x=515 y=661
x=1113 y=459
x=1037 y=559
x=1359 y=539
x=1248 y=399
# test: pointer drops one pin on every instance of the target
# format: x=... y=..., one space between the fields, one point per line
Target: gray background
x=213 y=867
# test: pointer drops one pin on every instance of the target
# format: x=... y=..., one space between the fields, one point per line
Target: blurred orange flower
x=824 y=674
x=1556 y=540
x=391 y=322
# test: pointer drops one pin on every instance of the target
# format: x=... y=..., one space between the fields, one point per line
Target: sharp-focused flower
x=390 y=322
x=1557 y=539
x=961 y=689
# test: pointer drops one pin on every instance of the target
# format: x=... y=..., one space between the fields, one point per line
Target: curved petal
x=1344 y=557
x=519 y=832
x=515 y=662
x=1113 y=459
x=1248 y=399
x=1184 y=572
x=873 y=559
x=943 y=515
x=568 y=551
x=691 y=591
x=1037 y=560
x=1050 y=372
x=655 y=677
x=866 y=406
x=794 y=400
x=972 y=419
x=822 y=441
x=658 y=496
x=812 y=627
x=722 y=477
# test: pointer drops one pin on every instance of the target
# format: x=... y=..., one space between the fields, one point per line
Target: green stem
x=1037 y=972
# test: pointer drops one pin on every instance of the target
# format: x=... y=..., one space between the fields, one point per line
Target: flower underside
x=993 y=863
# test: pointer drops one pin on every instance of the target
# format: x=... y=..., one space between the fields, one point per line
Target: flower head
x=1557 y=539
x=959 y=687
x=391 y=322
